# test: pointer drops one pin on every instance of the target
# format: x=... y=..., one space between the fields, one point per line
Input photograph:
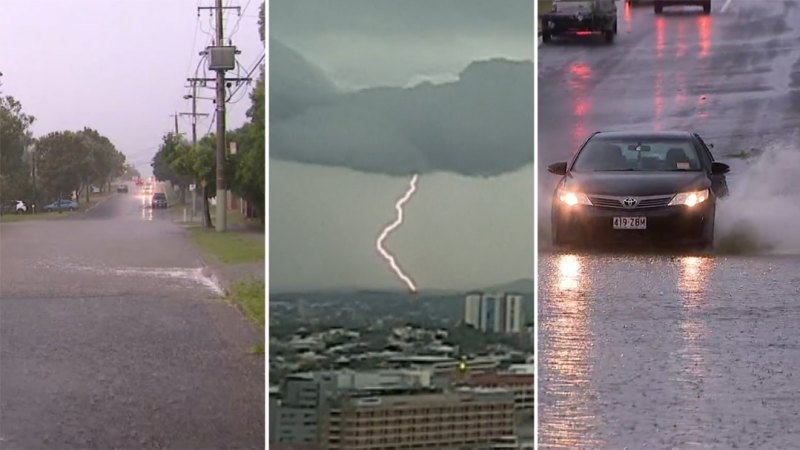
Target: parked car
x=62 y=205
x=159 y=200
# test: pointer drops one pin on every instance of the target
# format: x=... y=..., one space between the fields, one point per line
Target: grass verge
x=41 y=216
x=250 y=296
x=229 y=247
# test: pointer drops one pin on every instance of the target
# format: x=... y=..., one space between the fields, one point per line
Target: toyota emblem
x=630 y=202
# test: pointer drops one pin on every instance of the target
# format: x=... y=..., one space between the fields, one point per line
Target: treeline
x=62 y=163
x=176 y=161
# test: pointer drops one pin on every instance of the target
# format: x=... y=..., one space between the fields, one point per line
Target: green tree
x=102 y=162
x=130 y=172
x=172 y=146
x=61 y=157
x=15 y=137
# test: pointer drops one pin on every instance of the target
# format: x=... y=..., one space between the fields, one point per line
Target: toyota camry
x=624 y=187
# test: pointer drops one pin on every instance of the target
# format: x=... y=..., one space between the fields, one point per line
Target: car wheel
x=707 y=8
x=705 y=242
x=609 y=36
x=558 y=240
x=546 y=36
x=658 y=7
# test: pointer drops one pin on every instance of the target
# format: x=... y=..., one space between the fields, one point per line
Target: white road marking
x=725 y=6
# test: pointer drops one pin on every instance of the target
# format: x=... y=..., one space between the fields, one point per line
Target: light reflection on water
x=693 y=279
x=566 y=353
x=147 y=211
x=580 y=301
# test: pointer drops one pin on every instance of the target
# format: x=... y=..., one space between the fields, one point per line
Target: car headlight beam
x=689 y=199
x=572 y=198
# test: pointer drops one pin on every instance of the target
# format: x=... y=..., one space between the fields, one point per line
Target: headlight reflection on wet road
x=570 y=416
x=694 y=274
x=147 y=211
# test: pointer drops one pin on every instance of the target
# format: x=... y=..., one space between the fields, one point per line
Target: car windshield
x=159 y=196
x=644 y=155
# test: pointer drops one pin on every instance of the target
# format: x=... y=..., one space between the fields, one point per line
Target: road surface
x=110 y=337
x=672 y=350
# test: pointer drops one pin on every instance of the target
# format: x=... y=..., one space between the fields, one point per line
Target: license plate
x=630 y=223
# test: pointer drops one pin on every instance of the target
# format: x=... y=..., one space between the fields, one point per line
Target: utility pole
x=33 y=176
x=194 y=115
x=222 y=207
x=221 y=59
x=176 y=122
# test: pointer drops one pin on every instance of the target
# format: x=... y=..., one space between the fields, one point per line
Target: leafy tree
x=60 y=163
x=14 y=138
x=129 y=172
x=102 y=161
x=171 y=148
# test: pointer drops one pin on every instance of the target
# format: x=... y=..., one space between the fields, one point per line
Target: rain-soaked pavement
x=669 y=350
x=111 y=337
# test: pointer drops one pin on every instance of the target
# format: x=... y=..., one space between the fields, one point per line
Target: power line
x=194 y=43
x=238 y=20
x=254 y=67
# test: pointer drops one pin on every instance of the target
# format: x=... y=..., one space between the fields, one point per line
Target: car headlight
x=572 y=198
x=689 y=198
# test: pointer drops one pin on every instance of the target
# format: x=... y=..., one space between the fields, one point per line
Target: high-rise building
x=513 y=313
x=496 y=313
x=472 y=309
x=468 y=418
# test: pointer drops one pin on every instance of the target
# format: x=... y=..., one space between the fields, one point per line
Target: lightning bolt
x=412 y=187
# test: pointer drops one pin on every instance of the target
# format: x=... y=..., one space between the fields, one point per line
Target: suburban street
x=671 y=350
x=111 y=337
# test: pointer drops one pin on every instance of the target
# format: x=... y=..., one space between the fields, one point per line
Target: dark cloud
x=479 y=125
x=295 y=84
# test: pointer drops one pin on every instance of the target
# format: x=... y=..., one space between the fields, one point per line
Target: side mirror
x=718 y=168
x=559 y=168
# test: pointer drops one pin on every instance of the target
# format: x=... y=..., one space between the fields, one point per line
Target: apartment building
x=395 y=420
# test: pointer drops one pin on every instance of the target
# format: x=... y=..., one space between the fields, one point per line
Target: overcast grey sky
x=119 y=66
x=362 y=43
x=340 y=98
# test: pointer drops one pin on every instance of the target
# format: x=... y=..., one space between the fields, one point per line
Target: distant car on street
x=625 y=187
x=159 y=200
x=122 y=189
x=658 y=5
x=62 y=205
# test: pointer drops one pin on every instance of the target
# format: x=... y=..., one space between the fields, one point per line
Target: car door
x=719 y=182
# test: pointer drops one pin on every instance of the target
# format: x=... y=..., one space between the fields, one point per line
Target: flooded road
x=111 y=337
x=669 y=351
x=673 y=350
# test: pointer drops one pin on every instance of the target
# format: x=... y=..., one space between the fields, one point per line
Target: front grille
x=612 y=201
x=605 y=202
x=656 y=202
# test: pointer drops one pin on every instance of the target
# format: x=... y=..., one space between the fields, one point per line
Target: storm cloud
x=479 y=125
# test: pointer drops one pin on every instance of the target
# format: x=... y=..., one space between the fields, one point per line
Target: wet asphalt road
x=642 y=350
x=111 y=338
